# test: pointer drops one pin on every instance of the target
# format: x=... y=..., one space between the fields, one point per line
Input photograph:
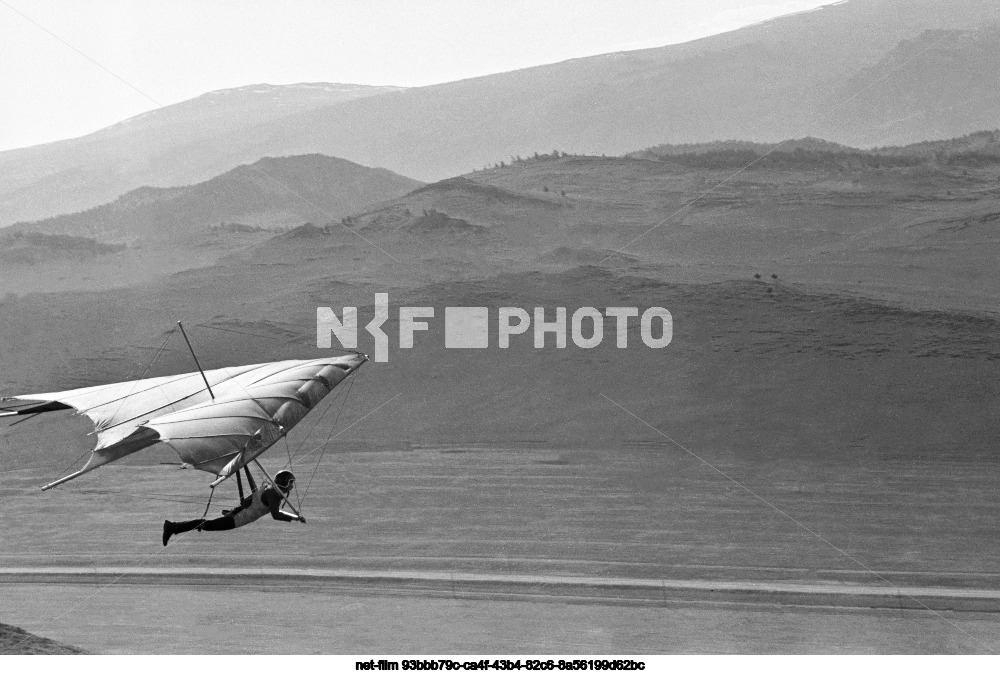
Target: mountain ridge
x=862 y=72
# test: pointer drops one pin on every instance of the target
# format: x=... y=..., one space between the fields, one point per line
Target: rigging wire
x=347 y=393
x=316 y=448
x=75 y=461
x=144 y=372
x=122 y=401
x=105 y=491
x=193 y=500
x=27 y=418
x=333 y=399
x=293 y=340
x=329 y=407
x=150 y=365
x=288 y=451
x=248 y=334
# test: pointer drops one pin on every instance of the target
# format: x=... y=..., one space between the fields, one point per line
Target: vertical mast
x=207 y=385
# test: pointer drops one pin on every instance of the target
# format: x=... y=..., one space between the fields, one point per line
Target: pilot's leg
x=224 y=523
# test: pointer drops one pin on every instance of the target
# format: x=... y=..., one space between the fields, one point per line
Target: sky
x=68 y=68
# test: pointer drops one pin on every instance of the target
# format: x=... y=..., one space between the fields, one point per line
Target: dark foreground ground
x=15 y=641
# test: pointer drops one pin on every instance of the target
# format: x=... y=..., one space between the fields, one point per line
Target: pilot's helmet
x=284 y=480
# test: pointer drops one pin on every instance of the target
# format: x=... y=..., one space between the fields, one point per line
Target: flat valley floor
x=518 y=510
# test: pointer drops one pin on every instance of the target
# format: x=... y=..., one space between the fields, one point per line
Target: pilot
x=267 y=499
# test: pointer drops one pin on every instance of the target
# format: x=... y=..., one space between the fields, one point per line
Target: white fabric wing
x=254 y=406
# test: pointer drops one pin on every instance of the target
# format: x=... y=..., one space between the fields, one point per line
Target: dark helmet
x=284 y=480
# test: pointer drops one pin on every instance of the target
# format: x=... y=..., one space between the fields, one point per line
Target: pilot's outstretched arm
x=272 y=499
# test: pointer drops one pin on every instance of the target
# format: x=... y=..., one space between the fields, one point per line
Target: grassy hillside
x=907 y=225
x=18 y=248
x=272 y=193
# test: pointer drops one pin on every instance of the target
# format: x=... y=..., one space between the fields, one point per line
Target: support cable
x=144 y=372
x=293 y=340
x=129 y=394
x=327 y=441
x=288 y=451
x=333 y=400
x=193 y=355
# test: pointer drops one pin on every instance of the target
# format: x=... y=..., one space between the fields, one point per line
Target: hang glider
x=216 y=420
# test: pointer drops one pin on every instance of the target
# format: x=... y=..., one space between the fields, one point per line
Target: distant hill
x=32 y=248
x=178 y=144
x=982 y=144
x=976 y=147
x=810 y=144
x=272 y=193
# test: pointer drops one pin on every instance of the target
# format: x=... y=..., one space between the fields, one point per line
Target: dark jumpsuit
x=251 y=509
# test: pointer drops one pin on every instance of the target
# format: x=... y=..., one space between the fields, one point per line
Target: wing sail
x=254 y=406
x=224 y=436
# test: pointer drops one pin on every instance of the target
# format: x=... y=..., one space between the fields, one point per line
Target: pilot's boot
x=172 y=528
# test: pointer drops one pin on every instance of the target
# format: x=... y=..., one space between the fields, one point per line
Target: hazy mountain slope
x=859 y=72
x=177 y=144
x=939 y=84
x=271 y=193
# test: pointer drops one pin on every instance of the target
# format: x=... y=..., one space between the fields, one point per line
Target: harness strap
x=210 y=495
x=253 y=485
